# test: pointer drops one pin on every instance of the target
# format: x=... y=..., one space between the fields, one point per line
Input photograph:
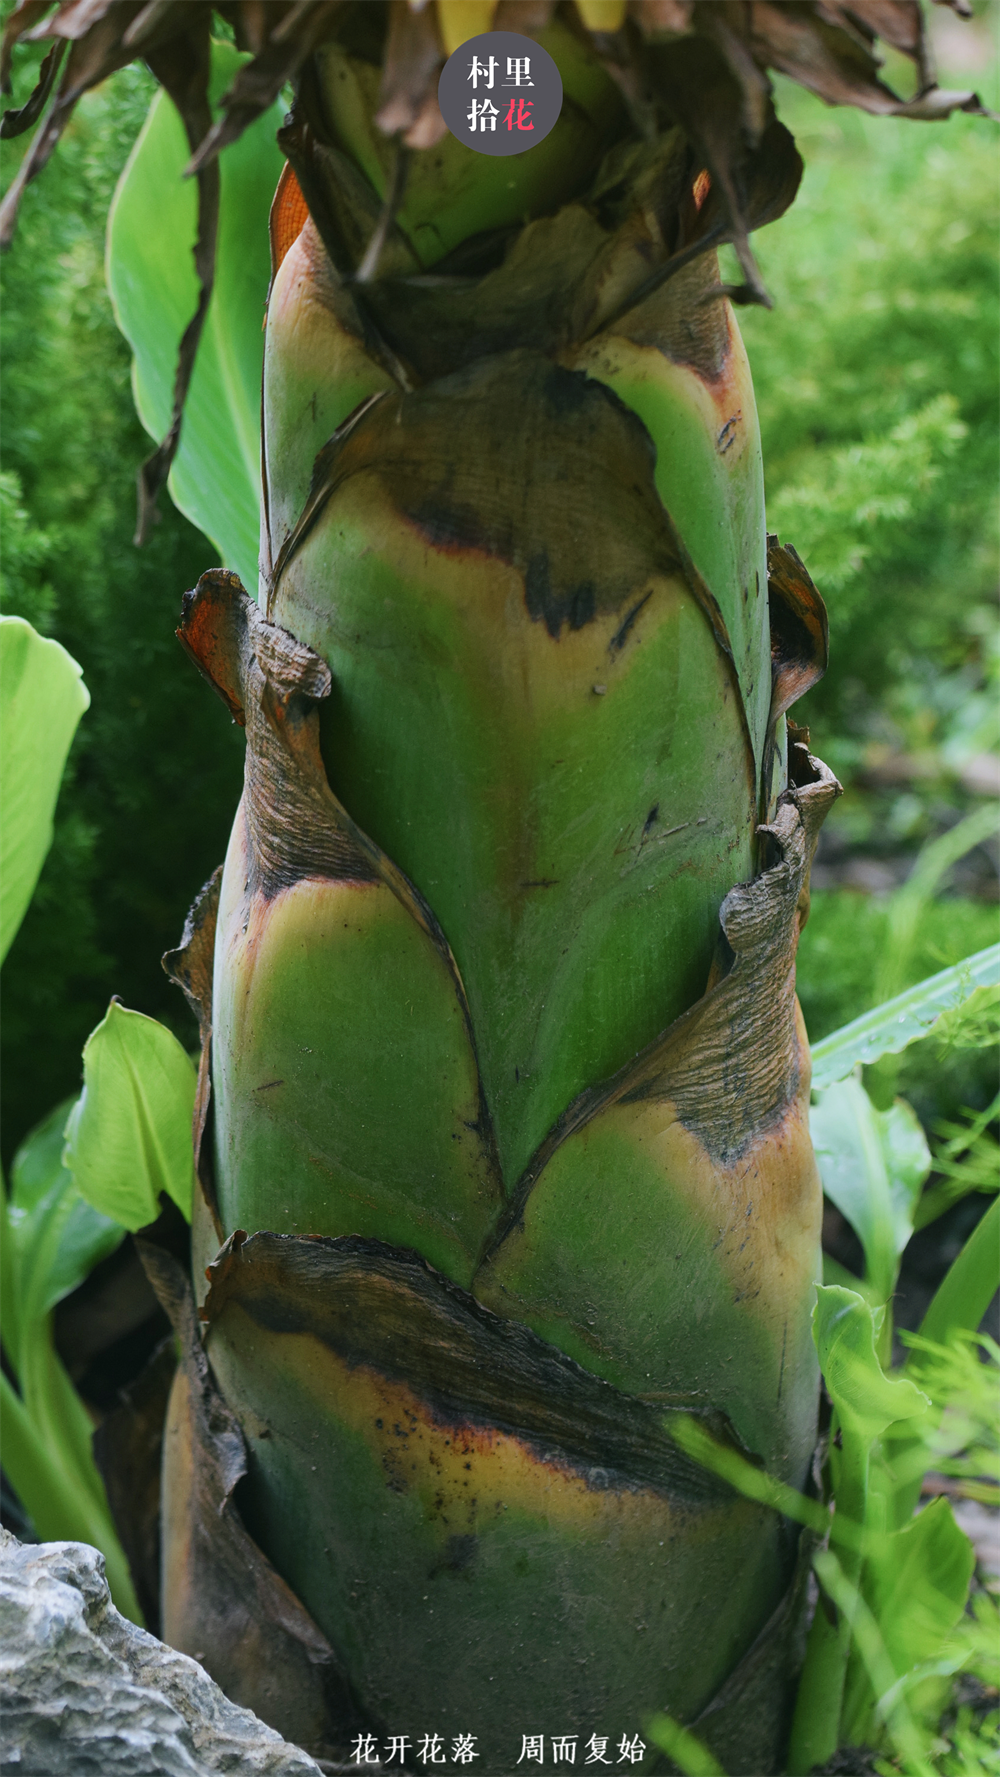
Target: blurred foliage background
x=876 y=376
x=156 y=772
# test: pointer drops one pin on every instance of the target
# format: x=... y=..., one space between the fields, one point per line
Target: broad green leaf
x=866 y=1400
x=42 y=697
x=873 y=1165
x=215 y=479
x=916 y=1582
x=56 y=1494
x=56 y=1237
x=52 y=1240
x=9 y=1324
x=56 y=1410
x=38 y=1161
x=128 y=1137
x=890 y=1028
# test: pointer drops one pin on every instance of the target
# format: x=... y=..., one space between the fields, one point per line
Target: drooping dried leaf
x=14 y=123
x=414 y=56
x=19 y=23
x=827 y=45
x=296 y=32
x=800 y=629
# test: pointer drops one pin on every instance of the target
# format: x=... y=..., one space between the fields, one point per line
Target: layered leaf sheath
x=503 y=1071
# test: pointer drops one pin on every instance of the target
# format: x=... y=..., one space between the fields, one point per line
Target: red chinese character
x=523 y=106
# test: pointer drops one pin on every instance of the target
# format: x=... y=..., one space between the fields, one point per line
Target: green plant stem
x=59 y=1497
x=818 y=1705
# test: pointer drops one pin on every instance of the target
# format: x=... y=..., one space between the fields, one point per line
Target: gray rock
x=82 y=1690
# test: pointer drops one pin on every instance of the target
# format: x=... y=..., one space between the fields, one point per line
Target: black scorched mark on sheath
x=576 y=606
x=450 y=525
x=620 y=636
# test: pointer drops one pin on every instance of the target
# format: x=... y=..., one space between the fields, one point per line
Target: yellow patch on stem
x=461 y=19
x=602 y=15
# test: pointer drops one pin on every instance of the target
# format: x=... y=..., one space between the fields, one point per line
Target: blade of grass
x=970 y=1282
x=753 y=1483
x=967 y=1162
x=962 y=1299
x=683 y=1747
x=907 y=905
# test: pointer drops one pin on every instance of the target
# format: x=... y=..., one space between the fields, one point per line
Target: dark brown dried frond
x=826 y=45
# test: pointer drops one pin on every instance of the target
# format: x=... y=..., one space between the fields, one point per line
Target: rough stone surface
x=82 y=1690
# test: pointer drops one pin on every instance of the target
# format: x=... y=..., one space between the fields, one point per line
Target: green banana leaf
x=873 y=1165
x=57 y=1237
x=128 y=1137
x=51 y=1240
x=42 y=697
x=215 y=480
x=846 y=1328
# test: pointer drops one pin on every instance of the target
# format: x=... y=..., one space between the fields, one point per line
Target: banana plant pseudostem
x=501 y=1129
